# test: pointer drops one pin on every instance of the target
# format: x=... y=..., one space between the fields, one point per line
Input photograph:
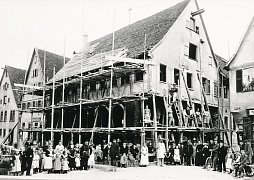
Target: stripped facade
x=122 y=84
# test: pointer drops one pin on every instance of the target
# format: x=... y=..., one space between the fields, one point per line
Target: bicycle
x=209 y=162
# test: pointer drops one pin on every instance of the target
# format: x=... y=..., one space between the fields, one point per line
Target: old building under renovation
x=157 y=78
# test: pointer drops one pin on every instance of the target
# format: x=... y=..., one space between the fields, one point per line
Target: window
x=35 y=73
x=23 y=125
x=114 y=82
x=125 y=80
x=226 y=122
x=6 y=74
x=1 y=132
x=176 y=76
x=139 y=76
x=192 y=24
x=206 y=85
x=23 y=106
x=36 y=124
x=8 y=100
x=2 y=116
x=28 y=105
x=239 y=81
x=192 y=51
x=29 y=125
x=5 y=99
x=189 y=80
x=34 y=103
x=225 y=92
x=93 y=86
x=210 y=60
x=5 y=116
x=4 y=132
x=215 y=89
x=5 y=86
x=12 y=116
x=39 y=103
x=163 y=73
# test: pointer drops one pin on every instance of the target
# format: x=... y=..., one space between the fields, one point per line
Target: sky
x=58 y=25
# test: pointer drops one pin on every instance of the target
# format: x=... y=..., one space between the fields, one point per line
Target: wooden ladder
x=179 y=110
x=205 y=100
x=190 y=100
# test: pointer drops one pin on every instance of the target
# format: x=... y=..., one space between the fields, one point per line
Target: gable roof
x=241 y=43
x=16 y=76
x=222 y=64
x=52 y=60
x=131 y=38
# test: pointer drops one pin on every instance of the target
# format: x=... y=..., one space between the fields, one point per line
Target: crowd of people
x=35 y=158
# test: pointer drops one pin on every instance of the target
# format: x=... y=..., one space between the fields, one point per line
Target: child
x=65 y=166
x=177 y=158
x=240 y=163
x=229 y=161
x=35 y=163
x=123 y=160
x=131 y=159
x=57 y=163
x=77 y=161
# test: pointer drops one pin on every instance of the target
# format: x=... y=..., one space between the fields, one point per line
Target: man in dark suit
x=187 y=152
x=29 y=158
x=85 y=153
x=222 y=152
x=114 y=152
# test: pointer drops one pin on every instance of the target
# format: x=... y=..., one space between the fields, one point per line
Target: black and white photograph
x=126 y=89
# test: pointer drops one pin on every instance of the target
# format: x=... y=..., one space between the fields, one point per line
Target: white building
x=10 y=102
x=241 y=75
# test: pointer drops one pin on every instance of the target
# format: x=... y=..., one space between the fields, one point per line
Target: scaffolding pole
x=62 y=117
x=53 y=104
x=43 y=96
x=143 y=135
x=155 y=121
x=111 y=82
x=80 y=102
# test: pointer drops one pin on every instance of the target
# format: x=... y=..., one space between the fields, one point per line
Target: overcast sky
x=25 y=24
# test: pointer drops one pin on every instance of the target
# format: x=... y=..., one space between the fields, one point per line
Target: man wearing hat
x=29 y=158
x=222 y=152
x=214 y=151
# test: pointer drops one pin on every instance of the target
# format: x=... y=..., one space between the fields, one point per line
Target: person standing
x=114 y=152
x=71 y=157
x=193 y=157
x=161 y=150
x=187 y=152
x=59 y=148
x=85 y=153
x=199 y=154
x=222 y=153
x=29 y=159
x=104 y=151
x=144 y=156
x=249 y=152
x=214 y=151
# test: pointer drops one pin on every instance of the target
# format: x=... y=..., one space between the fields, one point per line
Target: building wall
x=10 y=105
x=244 y=59
x=33 y=79
x=173 y=52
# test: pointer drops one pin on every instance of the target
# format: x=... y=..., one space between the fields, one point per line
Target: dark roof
x=52 y=60
x=222 y=63
x=130 y=38
x=16 y=76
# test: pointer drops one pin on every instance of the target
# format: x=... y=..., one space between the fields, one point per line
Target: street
x=138 y=173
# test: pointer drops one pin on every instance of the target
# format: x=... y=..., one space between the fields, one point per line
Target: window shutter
x=239 y=81
x=186 y=50
x=187 y=24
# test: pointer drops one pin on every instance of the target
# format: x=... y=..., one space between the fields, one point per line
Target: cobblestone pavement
x=138 y=173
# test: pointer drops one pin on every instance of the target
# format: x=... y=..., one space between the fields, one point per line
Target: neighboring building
x=177 y=51
x=241 y=76
x=10 y=99
x=32 y=102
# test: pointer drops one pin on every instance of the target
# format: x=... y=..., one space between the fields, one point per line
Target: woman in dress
x=36 y=162
x=17 y=162
x=48 y=159
x=65 y=167
x=71 y=157
x=161 y=150
x=91 y=159
x=144 y=156
x=177 y=158
x=229 y=161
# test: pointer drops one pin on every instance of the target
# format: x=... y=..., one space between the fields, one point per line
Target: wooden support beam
x=53 y=104
x=155 y=121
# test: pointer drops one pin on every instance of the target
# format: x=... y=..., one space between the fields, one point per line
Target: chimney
x=84 y=43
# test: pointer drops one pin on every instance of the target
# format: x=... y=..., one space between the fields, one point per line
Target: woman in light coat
x=161 y=150
x=144 y=156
